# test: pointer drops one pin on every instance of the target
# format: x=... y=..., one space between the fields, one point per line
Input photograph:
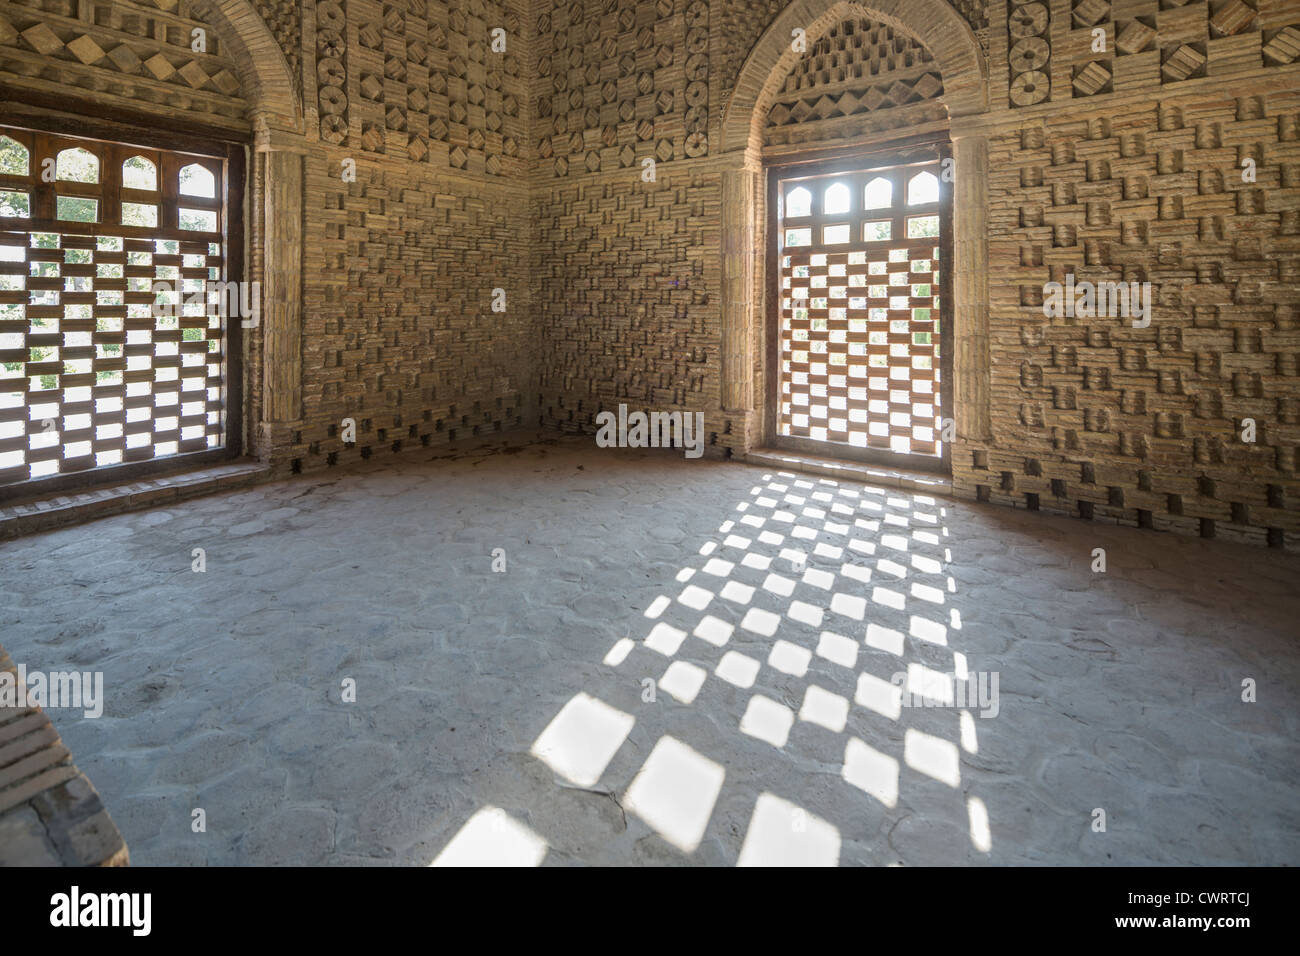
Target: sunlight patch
x=824 y=709
x=762 y=623
x=790 y=658
x=582 y=739
x=714 y=630
x=665 y=639
x=491 y=837
x=838 y=649
x=683 y=680
x=783 y=834
x=618 y=653
x=932 y=756
x=675 y=792
x=871 y=771
x=879 y=695
x=738 y=670
x=767 y=720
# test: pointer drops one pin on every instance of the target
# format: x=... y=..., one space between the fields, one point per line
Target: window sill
x=919 y=481
x=31 y=515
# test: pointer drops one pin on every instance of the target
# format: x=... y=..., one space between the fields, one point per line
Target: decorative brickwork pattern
x=1107 y=422
x=975 y=12
x=399 y=330
x=861 y=77
x=743 y=21
x=331 y=70
x=284 y=19
x=1151 y=43
x=1029 y=26
x=618 y=83
x=740 y=24
x=424 y=81
x=128 y=53
x=1145 y=425
x=615 y=284
x=628 y=315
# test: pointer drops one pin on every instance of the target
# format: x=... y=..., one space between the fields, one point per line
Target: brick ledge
x=31 y=515
x=868 y=474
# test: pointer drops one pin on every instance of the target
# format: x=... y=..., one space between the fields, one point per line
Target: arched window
x=879 y=194
x=108 y=332
x=798 y=202
x=836 y=200
x=77 y=166
x=14 y=158
x=922 y=188
x=197 y=180
x=139 y=173
x=858 y=323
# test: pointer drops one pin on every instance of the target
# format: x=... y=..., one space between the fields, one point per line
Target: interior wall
x=628 y=206
x=388 y=141
x=1116 y=136
x=405 y=251
x=1113 y=159
x=1129 y=165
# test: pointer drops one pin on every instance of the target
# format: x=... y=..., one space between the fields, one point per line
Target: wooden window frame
x=113 y=141
x=826 y=163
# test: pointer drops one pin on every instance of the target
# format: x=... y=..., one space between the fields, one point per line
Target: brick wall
x=1121 y=163
x=399 y=330
x=1144 y=426
x=525 y=170
x=626 y=291
x=401 y=252
x=401 y=264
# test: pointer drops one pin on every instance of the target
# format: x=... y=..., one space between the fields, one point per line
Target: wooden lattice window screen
x=112 y=350
x=859 y=309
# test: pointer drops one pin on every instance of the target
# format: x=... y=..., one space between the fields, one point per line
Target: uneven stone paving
x=505 y=716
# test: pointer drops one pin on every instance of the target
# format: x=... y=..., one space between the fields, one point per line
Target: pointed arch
x=964 y=70
x=934 y=22
x=268 y=83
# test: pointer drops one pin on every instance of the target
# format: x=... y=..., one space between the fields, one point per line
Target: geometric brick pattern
x=331 y=70
x=129 y=52
x=284 y=19
x=742 y=22
x=615 y=284
x=423 y=82
x=974 y=12
x=861 y=76
x=1104 y=421
x=856 y=50
x=615 y=330
x=616 y=86
x=1028 y=59
x=1152 y=43
x=1144 y=425
x=399 y=332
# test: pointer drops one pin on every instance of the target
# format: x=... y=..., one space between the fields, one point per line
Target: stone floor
x=685 y=662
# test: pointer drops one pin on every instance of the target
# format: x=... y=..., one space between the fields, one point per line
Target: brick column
x=282 y=288
x=971 y=287
x=739 y=184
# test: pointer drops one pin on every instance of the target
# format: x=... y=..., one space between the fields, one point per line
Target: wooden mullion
x=42 y=201
x=169 y=191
